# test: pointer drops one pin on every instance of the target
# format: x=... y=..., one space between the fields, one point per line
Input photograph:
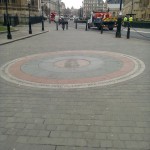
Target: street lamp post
x=98 y=5
x=58 y=8
x=118 y=33
x=9 y=36
x=29 y=5
x=49 y=13
x=132 y=7
x=80 y=11
x=42 y=18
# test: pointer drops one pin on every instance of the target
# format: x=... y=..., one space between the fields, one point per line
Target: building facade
x=113 y=1
x=19 y=7
x=114 y=7
x=54 y=5
x=92 y=5
x=141 y=9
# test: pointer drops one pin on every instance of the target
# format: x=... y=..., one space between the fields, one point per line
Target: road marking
x=136 y=31
x=13 y=71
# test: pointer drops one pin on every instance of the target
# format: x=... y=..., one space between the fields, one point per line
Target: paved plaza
x=73 y=90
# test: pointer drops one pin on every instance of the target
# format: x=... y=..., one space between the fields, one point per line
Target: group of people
x=130 y=19
x=127 y=21
x=62 y=21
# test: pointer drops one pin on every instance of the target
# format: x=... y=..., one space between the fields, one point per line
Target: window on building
x=2 y=1
x=32 y=2
x=114 y=14
x=13 y=1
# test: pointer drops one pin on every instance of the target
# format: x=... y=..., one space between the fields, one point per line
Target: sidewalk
x=140 y=30
x=22 y=32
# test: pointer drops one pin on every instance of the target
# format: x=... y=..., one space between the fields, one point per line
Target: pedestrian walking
x=56 y=21
x=63 y=23
x=130 y=19
x=125 y=19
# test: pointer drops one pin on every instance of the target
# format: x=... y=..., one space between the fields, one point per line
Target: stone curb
x=24 y=37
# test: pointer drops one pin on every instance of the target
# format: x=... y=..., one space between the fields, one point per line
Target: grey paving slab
x=22 y=32
x=33 y=147
x=114 y=117
x=77 y=148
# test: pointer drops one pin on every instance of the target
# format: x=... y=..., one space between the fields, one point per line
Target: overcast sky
x=74 y=3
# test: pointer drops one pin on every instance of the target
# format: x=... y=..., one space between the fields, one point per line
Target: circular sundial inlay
x=72 y=69
x=72 y=63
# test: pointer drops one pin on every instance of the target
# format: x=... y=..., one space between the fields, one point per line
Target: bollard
x=86 y=26
x=42 y=24
x=128 y=31
x=56 y=25
x=30 y=29
x=76 y=25
x=9 y=36
x=101 y=29
x=118 y=32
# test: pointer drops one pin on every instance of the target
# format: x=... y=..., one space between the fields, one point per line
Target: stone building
x=141 y=9
x=63 y=8
x=19 y=7
x=113 y=1
x=114 y=7
x=145 y=13
x=92 y=5
x=54 y=5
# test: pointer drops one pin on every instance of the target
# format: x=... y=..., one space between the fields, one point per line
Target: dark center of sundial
x=72 y=63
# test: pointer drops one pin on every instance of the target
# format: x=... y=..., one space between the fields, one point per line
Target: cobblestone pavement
x=22 y=32
x=112 y=117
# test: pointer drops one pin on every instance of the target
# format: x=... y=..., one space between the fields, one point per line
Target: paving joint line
x=49 y=134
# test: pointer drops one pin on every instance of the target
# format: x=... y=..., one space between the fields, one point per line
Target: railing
x=15 y=20
x=138 y=24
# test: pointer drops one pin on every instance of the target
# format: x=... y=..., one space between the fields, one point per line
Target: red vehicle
x=99 y=18
x=52 y=16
